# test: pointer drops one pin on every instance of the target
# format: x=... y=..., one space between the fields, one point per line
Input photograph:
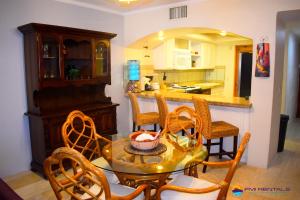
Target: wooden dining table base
x=155 y=181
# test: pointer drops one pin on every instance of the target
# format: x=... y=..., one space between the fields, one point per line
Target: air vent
x=178 y=12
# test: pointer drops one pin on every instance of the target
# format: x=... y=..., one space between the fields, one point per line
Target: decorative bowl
x=147 y=144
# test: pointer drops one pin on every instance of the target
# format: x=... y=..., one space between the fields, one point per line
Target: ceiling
x=121 y=7
x=193 y=34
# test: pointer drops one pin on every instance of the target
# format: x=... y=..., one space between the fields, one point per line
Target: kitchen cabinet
x=184 y=54
x=172 y=54
x=162 y=55
x=203 y=55
x=66 y=69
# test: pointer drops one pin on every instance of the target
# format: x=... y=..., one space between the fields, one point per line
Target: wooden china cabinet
x=66 y=69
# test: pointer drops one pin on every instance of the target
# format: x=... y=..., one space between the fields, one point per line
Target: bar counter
x=238 y=102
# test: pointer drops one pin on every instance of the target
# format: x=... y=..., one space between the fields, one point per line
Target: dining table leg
x=155 y=181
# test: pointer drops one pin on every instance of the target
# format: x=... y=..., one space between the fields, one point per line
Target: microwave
x=182 y=59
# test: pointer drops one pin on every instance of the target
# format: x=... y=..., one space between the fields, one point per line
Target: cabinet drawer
x=105 y=120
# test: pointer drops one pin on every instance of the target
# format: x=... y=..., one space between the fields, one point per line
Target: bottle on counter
x=163 y=85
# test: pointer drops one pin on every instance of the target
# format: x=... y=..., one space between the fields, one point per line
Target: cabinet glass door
x=101 y=64
x=49 y=57
x=77 y=58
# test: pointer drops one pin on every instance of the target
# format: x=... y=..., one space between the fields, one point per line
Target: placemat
x=152 y=152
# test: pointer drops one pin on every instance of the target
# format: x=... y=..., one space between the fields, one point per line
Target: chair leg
x=235 y=141
x=154 y=127
x=208 y=144
x=221 y=148
x=139 y=128
x=133 y=127
x=192 y=130
x=182 y=132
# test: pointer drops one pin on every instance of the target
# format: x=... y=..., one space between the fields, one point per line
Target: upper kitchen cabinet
x=203 y=55
x=66 y=56
x=172 y=54
x=162 y=55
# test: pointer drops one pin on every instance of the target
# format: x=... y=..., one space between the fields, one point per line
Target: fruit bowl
x=144 y=140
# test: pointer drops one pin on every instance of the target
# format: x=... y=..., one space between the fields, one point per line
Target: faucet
x=164 y=77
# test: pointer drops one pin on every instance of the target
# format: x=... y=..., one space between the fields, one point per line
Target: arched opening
x=201 y=60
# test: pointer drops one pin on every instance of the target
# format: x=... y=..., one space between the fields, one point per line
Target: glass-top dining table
x=133 y=167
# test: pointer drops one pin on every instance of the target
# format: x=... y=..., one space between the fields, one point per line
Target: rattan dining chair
x=191 y=188
x=140 y=119
x=215 y=130
x=174 y=124
x=191 y=128
x=79 y=133
x=163 y=112
x=88 y=182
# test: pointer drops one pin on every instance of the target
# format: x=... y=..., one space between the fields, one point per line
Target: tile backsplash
x=217 y=74
x=182 y=76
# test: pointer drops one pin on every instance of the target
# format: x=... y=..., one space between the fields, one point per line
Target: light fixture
x=223 y=33
x=161 y=35
x=159 y=167
x=128 y=1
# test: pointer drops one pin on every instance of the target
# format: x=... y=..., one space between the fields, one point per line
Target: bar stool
x=215 y=130
x=139 y=119
x=163 y=112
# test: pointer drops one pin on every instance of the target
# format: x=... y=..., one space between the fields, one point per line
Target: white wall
x=255 y=19
x=15 y=151
x=292 y=75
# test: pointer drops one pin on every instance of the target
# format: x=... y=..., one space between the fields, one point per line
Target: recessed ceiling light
x=128 y=1
x=161 y=35
x=223 y=33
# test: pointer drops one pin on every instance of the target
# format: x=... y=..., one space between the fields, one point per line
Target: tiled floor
x=284 y=173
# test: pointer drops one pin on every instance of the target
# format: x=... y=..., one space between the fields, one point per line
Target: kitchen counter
x=208 y=85
x=172 y=95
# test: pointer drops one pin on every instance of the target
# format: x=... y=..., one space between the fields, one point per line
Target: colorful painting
x=262 y=60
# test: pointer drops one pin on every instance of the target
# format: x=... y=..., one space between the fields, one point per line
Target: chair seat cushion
x=115 y=189
x=183 y=122
x=189 y=182
x=147 y=118
x=223 y=129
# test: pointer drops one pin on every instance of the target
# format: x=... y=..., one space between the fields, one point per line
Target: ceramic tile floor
x=284 y=173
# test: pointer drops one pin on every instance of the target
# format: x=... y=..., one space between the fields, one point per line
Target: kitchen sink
x=189 y=89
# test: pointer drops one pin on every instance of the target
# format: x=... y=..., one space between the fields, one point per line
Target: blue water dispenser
x=133 y=70
x=133 y=75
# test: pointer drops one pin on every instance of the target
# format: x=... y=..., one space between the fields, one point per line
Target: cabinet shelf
x=49 y=57
x=89 y=59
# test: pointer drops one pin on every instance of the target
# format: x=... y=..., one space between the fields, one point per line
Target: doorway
x=287 y=76
x=243 y=71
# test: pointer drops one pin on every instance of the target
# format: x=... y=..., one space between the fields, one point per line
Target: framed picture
x=262 y=68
